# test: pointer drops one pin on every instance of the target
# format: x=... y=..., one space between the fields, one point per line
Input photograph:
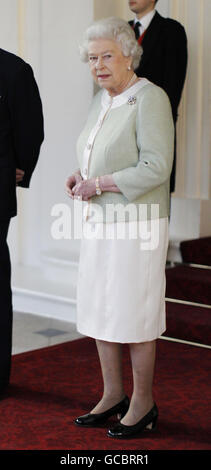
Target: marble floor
x=34 y=332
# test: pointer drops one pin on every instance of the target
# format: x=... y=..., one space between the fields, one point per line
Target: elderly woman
x=125 y=154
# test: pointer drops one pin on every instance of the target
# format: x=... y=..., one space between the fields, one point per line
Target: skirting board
x=45 y=305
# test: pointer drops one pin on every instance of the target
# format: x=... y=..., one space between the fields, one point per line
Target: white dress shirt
x=145 y=21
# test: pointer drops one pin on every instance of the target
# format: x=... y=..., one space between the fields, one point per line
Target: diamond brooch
x=132 y=100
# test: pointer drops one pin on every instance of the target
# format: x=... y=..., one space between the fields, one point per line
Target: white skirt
x=121 y=282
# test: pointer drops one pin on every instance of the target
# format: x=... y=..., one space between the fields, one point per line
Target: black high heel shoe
x=92 y=420
x=121 y=431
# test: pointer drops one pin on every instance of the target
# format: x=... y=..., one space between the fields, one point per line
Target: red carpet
x=197 y=251
x=188 y=283
x=51 y=386
x=188 y=322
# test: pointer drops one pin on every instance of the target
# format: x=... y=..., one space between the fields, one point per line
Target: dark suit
x=21 y=135
x=164 y=62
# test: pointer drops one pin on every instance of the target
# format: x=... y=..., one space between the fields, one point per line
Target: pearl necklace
x=133 y=79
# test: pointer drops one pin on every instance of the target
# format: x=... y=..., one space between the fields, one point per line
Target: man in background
x=21 y=135
x=164 y=59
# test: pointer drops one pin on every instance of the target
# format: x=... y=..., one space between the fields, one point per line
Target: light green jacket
x=135 y=144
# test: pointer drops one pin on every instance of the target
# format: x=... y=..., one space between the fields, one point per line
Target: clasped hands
x=77 y=188
x=19 y=175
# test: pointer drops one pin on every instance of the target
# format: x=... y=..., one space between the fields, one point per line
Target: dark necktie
x=136 y=29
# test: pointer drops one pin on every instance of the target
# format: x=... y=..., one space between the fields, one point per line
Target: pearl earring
x=129 y=68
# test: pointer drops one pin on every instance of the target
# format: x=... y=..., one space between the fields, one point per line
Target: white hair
x=118 y=30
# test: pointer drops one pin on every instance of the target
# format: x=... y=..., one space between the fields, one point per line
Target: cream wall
x=47 y=33
x=191 y=204
x=120 y=8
